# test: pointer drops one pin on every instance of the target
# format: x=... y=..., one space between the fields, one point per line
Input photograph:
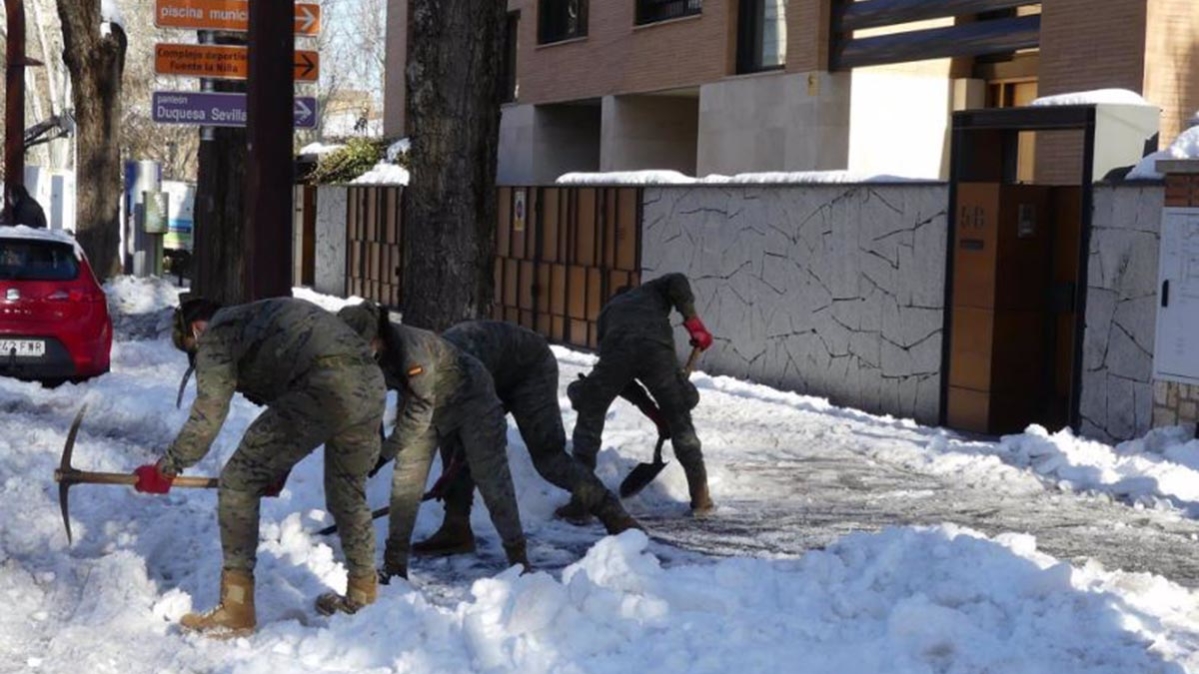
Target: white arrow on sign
x=307 y=18
x=302 y=111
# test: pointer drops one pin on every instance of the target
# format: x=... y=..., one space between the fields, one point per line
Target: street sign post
x=228 y=15
x=224 y=62
x=212 y=109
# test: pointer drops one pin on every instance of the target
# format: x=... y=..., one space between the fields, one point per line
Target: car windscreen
x=34 y=260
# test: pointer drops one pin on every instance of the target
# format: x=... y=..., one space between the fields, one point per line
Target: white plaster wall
x=649 y=132
x=899 y=123
x=1121 y=312
x=332 y=203
x=774 y=122
x=835 y=291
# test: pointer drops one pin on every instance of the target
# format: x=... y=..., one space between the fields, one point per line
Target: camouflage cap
x=362 y=318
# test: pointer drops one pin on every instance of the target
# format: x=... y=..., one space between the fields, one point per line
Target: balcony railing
x=653 y=11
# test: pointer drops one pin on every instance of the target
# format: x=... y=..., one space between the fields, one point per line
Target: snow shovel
x=645 y=473
x=66 y=476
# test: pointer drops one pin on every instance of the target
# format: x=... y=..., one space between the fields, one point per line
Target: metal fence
x=560 y=252
x=374 y=243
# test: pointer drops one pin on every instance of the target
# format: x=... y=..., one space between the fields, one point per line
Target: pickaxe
x=66 y=476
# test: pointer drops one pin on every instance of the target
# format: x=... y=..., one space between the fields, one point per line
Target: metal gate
x=560 y=253
x=374 y=243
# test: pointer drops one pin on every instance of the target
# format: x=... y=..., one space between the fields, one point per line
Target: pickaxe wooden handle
x=66 y=476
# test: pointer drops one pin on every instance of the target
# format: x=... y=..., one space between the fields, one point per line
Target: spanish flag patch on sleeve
x=415 y=371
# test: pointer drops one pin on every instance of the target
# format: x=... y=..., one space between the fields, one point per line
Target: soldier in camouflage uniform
x=636 y=341
x=526 y=380
x=320 y=386
x=444 y=393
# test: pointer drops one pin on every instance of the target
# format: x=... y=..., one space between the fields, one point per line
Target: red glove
x=151 y=481
x=700 y=337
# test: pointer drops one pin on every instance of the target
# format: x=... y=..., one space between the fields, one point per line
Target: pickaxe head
x=64 y=473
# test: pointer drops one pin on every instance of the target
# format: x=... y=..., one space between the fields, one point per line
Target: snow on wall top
x=1095 y=96
x=1185 y=146
x=664 y=177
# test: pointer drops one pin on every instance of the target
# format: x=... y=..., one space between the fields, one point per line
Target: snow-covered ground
x=901 y=599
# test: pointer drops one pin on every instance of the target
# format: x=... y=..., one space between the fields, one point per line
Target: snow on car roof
x=39 y=234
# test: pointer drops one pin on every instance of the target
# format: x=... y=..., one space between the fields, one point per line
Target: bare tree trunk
x=96 y=63
x=218 y=239
x=454 y=52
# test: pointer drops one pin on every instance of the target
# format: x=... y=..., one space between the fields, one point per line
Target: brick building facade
x=728 y=86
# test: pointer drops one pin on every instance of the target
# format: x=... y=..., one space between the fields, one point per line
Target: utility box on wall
x=1176 y=349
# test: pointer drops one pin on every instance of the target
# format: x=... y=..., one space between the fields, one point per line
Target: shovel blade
x=640 y=477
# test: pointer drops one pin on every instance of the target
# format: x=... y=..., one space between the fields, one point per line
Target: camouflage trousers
x=339 y=404
x=655 y=365
x=533 y=404
x=476 y=420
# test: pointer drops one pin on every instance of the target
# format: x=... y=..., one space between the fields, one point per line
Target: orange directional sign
x=233 y=15
x=223 y=62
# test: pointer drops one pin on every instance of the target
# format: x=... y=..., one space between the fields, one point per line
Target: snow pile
x=398 y=149
x=663 y=177
x=1160 y=469
x=1096 y=96
x=1185 y=146
x=319 y=148
x=388 y=171
x=383 y=173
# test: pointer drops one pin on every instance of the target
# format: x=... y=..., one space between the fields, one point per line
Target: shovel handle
x=84 y=477
x=692 y=360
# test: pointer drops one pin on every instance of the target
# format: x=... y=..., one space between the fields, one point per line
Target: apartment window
x=761 y=35
x=560 y=20
x=652 y=11
x=508 y=64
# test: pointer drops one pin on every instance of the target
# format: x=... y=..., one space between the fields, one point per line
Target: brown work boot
x=361 y=590
x=518 y=555
x=574 y=512
x=390 y=571
x=453 y=538
x=614 y=517
x=701 y=501
x=234 y=616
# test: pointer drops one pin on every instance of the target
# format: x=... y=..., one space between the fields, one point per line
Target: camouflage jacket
x=261 y=350
x=508 y=351
x=430 y=375
x=644 y=311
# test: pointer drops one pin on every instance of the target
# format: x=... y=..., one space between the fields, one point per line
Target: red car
x=54 y=323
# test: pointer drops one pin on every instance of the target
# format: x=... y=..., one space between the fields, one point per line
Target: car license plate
x=24 y=348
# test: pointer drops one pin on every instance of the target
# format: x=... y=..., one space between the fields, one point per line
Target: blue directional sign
x=210 y=109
